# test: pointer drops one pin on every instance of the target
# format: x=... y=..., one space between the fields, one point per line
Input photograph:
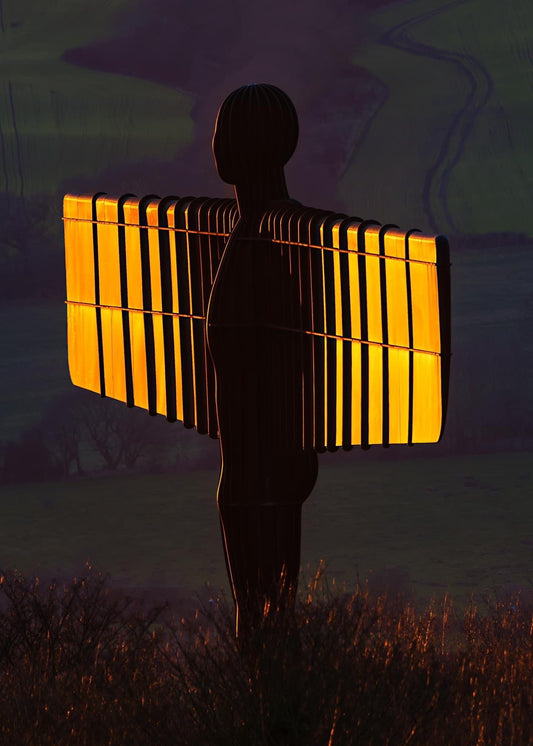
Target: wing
x=374 y=328
x=139 y=274
x=374 y=314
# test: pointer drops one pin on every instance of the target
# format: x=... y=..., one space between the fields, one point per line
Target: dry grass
x=83 y=665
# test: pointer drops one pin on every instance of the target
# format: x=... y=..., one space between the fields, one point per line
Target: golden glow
x=154 y=253
x=355 y=302
x=113 y=349
x=407 y=291
x=325 y=392
x=178 y=369
x=373 y=284
x=190 y=310
x=82 y=336
x=397 y=311
x=133 y=253
x=338 y=302
x=160 y=375
x=340 y=393
x=82 y=340
x=375 y=394
x=427 y=407
x=79 y=250
x=138 y=359
x=398 y=395
x=356 y=393
x=108 y=256
x=171 y=219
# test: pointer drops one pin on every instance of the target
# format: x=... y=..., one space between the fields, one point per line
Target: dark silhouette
x=265 y=475
x=264 y=324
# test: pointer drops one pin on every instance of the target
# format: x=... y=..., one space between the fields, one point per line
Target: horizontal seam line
x=286 y=242
x=249 y=326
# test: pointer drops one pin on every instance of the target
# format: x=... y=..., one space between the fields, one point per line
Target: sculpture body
x=258 y=358
x=280 y=329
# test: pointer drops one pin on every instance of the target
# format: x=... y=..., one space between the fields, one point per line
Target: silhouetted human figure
x=265 y=475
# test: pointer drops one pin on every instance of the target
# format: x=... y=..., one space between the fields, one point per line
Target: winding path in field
x=480 y=87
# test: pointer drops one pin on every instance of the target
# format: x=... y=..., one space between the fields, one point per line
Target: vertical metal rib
x=128 y=365
x=443 y=279
x=301 y=221
x=147 y=305
x=293 y=319
x=306 y=341
x=331 y=344
x=317 y=312
x=385 y=336
x=196 y=305
x=182 y=264
x=97 y=295
x=347 y=333
x=365 y=400
x=209 y=221
x=167 y=306
x=410 y=329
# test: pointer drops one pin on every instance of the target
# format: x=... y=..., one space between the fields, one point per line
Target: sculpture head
x=256 y=132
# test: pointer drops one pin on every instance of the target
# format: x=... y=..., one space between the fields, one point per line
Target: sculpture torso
x=253 y=311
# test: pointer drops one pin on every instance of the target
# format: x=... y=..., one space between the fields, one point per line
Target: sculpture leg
x=262 y=547
x=262 y=542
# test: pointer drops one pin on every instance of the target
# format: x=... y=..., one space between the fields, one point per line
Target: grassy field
x=461 y=108
x=428 y=526
x=33 y=367
x=58 y=120
x=477 y=65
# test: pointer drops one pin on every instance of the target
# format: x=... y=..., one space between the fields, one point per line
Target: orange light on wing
x=425 y=293
x=137 y=293
x=133 y=252
x=356 y=393
x=113 y=351
x=398 y=395
x=427 y=400
x=375 y=394
x=108 y=252
x=79 y=247
x=398 y=335
x=160 y=372
x=82 y=334
x=110 y=294
x=373 y=285
x=395 y=270
x=82 y=340
x=138 y=359
x=171 y=219
x=154 y=253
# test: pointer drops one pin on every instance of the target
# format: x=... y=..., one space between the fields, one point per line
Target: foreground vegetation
x=82 y=665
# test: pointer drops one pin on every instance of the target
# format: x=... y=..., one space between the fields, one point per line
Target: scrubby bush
x=81 y=664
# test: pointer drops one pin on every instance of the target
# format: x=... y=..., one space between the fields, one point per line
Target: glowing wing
x=374 y=314
x=139 y=274
x=375 y=326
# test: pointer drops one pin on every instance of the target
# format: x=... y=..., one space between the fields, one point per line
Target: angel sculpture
x=280 y=329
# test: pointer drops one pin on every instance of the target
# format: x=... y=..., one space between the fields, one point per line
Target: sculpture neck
x=253 y=196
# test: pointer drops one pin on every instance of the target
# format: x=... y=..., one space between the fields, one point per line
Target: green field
x=33 y=366
x=449 y=149
x=57 y=121
x=477 y=66
x=462 y=524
